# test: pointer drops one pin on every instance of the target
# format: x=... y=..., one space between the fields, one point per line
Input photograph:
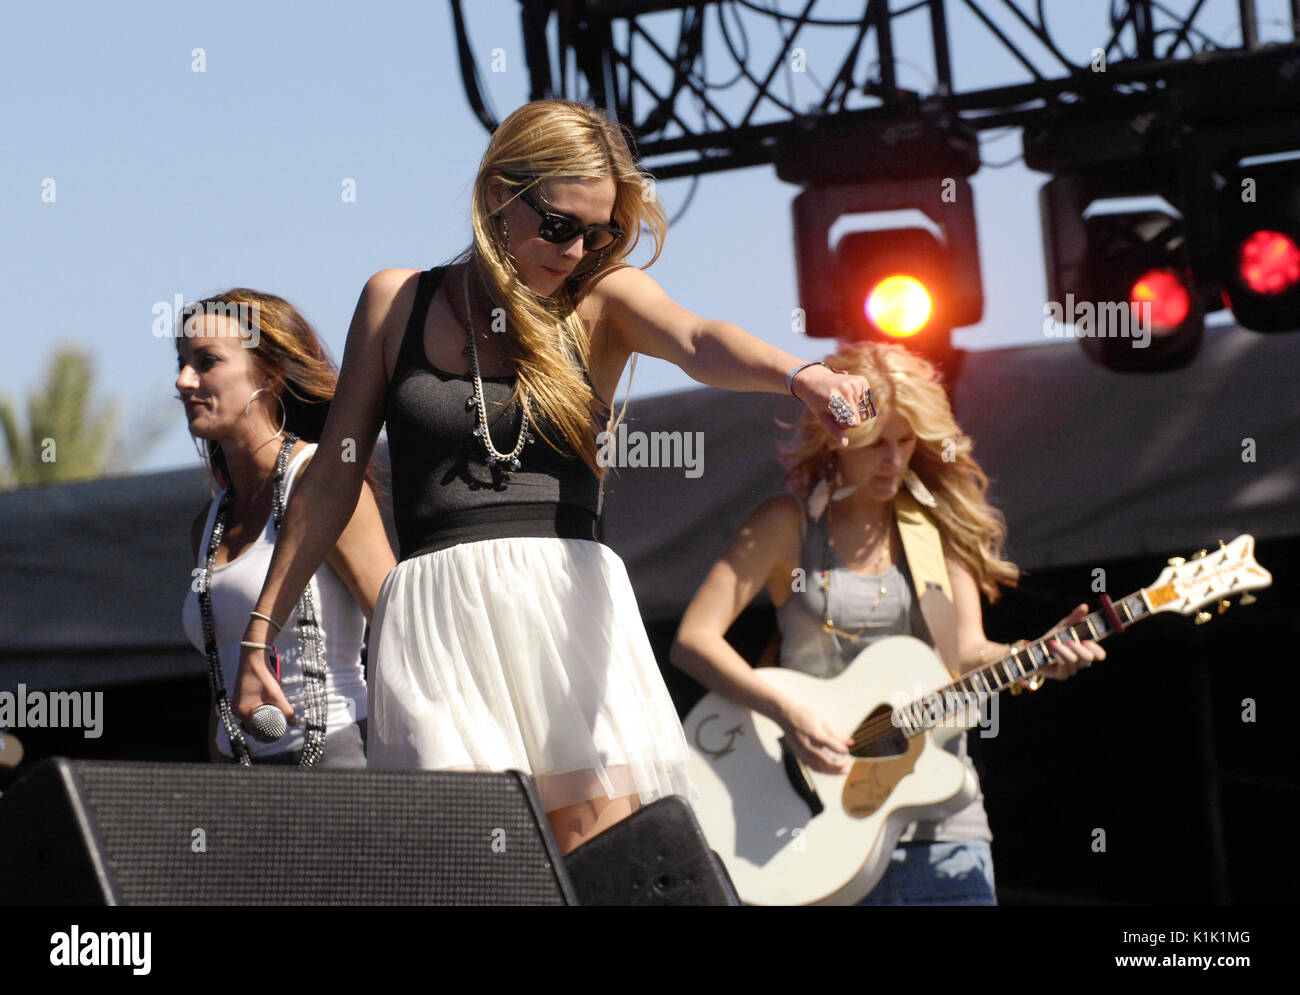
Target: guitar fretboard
x=979 y=685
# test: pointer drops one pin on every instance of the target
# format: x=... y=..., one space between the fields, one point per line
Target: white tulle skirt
x=526 y=654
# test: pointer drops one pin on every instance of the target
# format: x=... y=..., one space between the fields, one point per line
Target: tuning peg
x=1199 y=554
x=1247 y=599
x=1176 y=561
x=1223 y=605
x=1203 y=617
x=1221 y=544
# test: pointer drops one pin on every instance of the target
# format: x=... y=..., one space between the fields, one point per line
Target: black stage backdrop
x=1092 y=470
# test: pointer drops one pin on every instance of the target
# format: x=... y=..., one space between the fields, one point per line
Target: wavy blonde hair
x=904 y=383
x=542 y=141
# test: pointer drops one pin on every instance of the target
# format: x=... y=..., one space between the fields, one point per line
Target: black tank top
x=444 y=492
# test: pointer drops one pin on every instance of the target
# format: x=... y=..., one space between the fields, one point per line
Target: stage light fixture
x=1260 y=264
x=895 y=286
x=1137 y=307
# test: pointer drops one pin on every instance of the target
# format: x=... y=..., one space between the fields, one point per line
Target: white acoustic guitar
x=793 y=836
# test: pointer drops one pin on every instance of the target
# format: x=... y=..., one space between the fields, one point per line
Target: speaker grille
x=211 y=835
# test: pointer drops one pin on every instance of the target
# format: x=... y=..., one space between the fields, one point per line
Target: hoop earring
x=283 y=415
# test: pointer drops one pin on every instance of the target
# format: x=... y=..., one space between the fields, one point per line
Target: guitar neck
x=979 y=685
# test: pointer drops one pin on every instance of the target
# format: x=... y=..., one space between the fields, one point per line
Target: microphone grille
x=267 y=724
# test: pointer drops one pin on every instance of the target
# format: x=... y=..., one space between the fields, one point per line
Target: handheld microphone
x=267 y=724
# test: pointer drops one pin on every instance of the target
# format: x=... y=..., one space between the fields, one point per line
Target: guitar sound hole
x=877 y=736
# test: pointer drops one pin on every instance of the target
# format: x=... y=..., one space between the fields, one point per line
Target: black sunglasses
x=557 y=229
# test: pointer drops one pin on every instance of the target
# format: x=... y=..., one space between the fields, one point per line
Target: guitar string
x=878 y=727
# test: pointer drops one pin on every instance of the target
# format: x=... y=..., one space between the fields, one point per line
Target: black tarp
x=1087 y=465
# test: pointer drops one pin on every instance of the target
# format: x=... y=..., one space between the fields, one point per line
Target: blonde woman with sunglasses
x=508 y=636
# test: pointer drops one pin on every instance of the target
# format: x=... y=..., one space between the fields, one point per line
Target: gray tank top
x=807 y=647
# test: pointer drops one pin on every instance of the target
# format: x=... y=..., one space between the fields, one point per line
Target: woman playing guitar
x=832 y=557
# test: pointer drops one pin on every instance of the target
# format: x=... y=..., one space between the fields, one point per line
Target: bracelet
x=256 y=646
x=267 y=618
x=789 y=377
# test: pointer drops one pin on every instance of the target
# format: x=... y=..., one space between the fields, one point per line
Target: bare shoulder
x=774 y=529
x=618 y=282
x=628 y=311
x=777 y=520
x=387 y=282
x=386 y=302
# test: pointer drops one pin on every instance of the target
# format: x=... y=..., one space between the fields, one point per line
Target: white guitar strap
x=923 y=549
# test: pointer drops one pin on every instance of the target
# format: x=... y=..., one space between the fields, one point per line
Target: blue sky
x=168 y=181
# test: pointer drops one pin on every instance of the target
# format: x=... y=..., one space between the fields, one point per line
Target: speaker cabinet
x=100 y=833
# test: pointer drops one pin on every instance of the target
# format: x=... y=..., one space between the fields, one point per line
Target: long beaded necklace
x=311 y=649
x=506 y=462
x=828 y=626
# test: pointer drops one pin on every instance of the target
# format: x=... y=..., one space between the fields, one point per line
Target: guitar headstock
x=1186 y=585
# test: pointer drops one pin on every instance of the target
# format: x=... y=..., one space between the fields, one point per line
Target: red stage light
x=1168 y=296
x=1269 y=262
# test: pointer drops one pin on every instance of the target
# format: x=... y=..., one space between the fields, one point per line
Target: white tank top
x=236 y=586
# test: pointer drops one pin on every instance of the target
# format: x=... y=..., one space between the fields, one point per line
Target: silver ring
x=840 y=409
x=867 y=405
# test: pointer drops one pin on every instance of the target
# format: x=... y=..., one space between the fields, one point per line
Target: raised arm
x=645 y=319
x=763 y=551
x=326 y=497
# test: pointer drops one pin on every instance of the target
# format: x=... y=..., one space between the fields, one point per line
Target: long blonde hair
x=542 y=141
x=908 y=385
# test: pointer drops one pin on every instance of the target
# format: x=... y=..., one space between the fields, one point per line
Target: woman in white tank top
x=256 y=384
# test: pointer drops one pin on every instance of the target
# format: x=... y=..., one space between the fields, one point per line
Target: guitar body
x=793 y=836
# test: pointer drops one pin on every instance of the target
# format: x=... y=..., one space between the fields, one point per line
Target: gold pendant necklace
x=828 y=625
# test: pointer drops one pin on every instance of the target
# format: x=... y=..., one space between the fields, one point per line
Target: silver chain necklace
x=508 y=462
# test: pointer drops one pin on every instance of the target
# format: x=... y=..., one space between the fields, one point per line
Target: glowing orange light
x=1166 y=293
x=899 y=306
x=1269 y=262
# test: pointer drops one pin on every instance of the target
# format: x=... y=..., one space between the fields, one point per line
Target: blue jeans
x=937 y=874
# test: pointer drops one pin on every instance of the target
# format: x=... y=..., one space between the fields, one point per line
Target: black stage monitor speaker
x=95 y=833
x=656 y=856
